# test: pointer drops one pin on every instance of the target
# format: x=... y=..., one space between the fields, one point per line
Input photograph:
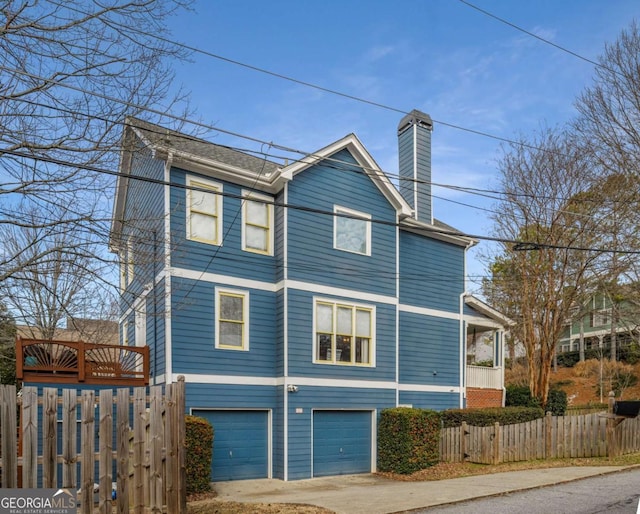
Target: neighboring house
x=298 y=300
x=593 y=322
x=78 y=329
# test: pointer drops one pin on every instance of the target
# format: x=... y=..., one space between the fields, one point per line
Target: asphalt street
x=616 y=493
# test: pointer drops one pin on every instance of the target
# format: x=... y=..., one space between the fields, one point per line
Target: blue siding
x=226 y=259
x=279 y=235
x=429 y=350
x=225 y=396
x=193 y=333
x=430 y=400
x=278 y=435
x=144 y=212
x=308 y=398
x=157 y=340
x=301 y=341
x=312 y=257
x=431 y=273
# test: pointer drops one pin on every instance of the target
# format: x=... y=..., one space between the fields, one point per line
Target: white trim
x=168 y=348
x=216 y=191
x=360 y=296
x=484 y=322
x=248 y=196
x=285 y=330
x=364 y=159
x=351 y=214
x=429 y=312
x=342 y=382
x=244 y=409
x=140 y=321
x=245 y=318
x=397 y=342
x=423 y=388
x=195 y=378
x=223 y=279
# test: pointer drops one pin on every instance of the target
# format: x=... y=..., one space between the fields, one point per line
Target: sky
x=442 y=57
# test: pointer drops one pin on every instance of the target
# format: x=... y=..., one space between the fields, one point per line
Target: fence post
x=8 y=438
x=496 y=443
x=182 y=450
x=612 y=449
x=547 y=436
x=463 y=441
x=29 y=420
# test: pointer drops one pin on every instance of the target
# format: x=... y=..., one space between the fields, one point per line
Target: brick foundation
x=479 y=398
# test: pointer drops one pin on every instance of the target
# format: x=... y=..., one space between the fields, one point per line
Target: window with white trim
x=257 y=223
x=129 y=260
x=232 y=319
x=344 y=334
x=351 y=231
x=125 y=333
x=204 y=211
x=140 y=321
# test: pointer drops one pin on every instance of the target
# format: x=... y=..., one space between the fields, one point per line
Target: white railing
x=484 y=377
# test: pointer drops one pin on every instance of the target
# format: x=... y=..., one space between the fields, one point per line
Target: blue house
x=297 y=300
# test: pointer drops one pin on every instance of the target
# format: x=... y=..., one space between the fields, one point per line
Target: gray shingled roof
x=166 y=138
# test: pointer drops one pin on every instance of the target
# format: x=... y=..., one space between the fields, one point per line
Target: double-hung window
x=204 y=211
x=351 y=231
x=344 y=333
x=257 y=223
x=232 y=319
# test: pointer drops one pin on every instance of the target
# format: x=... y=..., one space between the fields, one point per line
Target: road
x=616 y=493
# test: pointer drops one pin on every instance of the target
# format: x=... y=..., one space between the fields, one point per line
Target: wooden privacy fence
x=131 y=439
x=551 y=437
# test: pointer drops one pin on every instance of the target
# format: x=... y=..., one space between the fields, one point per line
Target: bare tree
x=547 y=206
x=57 y=276
x=610 y=109
x=70 y=72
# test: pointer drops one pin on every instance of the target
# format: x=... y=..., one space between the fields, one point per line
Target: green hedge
x=487 y=417
x=199 y=448
x=520 y=396
x=408 y=440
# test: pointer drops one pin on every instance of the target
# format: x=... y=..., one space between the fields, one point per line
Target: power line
x=428 y=229
x=307 y=83
x=536 y=36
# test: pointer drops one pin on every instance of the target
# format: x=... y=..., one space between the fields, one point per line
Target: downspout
x=463 y=351
x=155 y=307
x=463 y=338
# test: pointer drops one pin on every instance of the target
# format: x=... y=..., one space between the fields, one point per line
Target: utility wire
x=430 y=229
x=536 y=36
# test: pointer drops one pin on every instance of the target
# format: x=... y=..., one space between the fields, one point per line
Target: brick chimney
x=414 y=155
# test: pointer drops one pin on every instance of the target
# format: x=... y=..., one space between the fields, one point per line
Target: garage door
x=240 y=444
x=341 y=442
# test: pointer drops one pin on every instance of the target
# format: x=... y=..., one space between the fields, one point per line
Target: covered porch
x=485 y=330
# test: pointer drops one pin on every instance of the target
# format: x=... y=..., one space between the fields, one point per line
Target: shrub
x=587 y=368
x=199 y=451
x=568 y=359
x=556 y=402
x=519 y=396
x=408 y=440
x=487 y=417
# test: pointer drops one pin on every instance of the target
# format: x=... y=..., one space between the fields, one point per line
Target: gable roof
x=368 y=165
x=487 y=311
x=225 y=163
